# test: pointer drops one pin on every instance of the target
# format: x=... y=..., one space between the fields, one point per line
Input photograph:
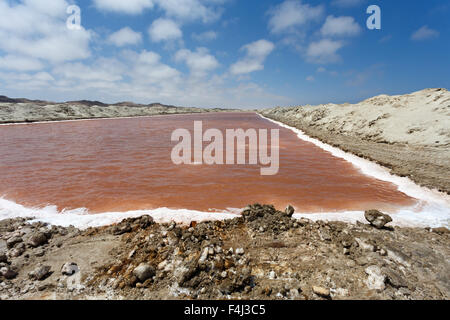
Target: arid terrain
x=25 y=111
x=265 y=254
x=409 y=134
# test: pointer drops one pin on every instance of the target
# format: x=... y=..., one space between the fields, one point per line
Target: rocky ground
x=264 y=254
x=409 y=134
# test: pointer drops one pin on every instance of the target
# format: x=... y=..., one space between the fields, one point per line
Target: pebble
x=17 y=251
x=40 y=273
x=322 y=292
x=289 y=211
x=8 y=273
x=377 y=218
x=203 y=256
x=37 y=239
x=143 y=272
x=293 y=293
x=69 y=269
x=11 y=242
x=376 y=279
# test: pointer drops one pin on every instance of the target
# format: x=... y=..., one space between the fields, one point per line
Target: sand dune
x=408 y=133
x=420 y=118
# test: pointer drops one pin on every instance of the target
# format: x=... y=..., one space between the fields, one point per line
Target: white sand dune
x=419 y=118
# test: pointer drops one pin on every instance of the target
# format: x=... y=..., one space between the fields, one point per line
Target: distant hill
x=5 y=99
x=89 y=103
x=22 y=110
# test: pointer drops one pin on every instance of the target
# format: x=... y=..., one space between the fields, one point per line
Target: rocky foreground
x=264 y=254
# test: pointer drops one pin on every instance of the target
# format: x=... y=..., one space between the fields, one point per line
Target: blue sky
x=222 y=53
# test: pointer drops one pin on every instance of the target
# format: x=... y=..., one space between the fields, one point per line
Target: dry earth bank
x=265 y=254
x=410 y=134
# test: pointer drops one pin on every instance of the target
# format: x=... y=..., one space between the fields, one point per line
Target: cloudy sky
x=222 y=53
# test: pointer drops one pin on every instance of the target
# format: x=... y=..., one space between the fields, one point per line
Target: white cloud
x=310 y=78
x=205 y=36
x=324 y=51
x=27 y=29
x=125 y=36
x=20 y=63
x=148 y=68
x=257 y=53
x=190 y=10
x=124 y=6
x=340 y=26
x=108 y=70
x=164 y=30
x=182 y=10
x=39 y=76
x=291 y=14
x=50 y=7
x=348 y=3
x=64 y=46
x=199 y=62
x=424 y=33
x=24 y=82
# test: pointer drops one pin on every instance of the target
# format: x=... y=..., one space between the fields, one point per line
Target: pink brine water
x=125 y=164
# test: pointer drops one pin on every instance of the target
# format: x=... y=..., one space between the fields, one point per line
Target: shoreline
x=417 y=216
x=61 y=120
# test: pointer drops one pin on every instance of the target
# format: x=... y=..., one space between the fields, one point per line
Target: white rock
x=364 y=245
x=69 y=268
x=204 y=256
x=144 y=272
x=376 y=279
